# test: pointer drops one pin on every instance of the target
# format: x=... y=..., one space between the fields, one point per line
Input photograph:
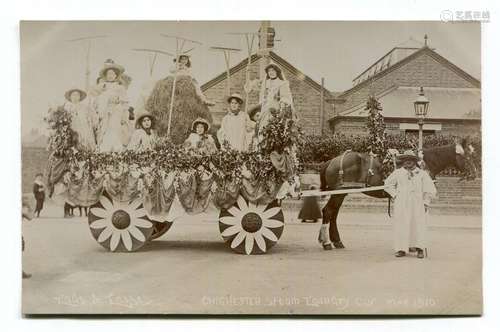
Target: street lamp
x=421 y=105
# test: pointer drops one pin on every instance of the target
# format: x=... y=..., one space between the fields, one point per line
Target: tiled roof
x=412 y=56
x=276 y=59
x=444 y=103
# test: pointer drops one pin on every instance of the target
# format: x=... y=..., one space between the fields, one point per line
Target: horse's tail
x=322 y=174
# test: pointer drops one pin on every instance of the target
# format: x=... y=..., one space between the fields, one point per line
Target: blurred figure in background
x=310 y=212
x=39 y=193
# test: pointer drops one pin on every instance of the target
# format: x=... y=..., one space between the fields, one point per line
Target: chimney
x=266 y=43
x=266 y=36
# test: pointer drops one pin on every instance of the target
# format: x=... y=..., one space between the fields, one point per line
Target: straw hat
x=68 y=93
x=407 y=155
x=236 y=96
x=109 y=64
x=142 y=116
x=203 y=122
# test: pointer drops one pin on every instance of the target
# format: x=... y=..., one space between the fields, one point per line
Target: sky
x=335 y=50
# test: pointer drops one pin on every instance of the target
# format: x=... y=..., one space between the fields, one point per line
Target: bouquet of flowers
x=281 y=132
x=62 y=139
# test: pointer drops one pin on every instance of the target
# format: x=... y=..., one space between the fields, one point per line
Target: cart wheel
x=251 y=229
x=120 y=226
x=160 y=228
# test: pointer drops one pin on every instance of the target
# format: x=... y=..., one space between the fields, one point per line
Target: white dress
x=140 y=140
x=200 y=144
x=410 y=190
x=81 y=123
x=272 y=93
x=235 y=129
x=112 y=111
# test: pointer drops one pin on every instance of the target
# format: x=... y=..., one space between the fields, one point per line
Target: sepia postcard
x=252 y=167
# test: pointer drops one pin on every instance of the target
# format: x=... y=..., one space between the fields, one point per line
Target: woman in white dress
x=112 y=109
x=144 y=136
x=274 y=95
x=81 y=120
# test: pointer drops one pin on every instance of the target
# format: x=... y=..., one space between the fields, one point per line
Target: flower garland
x=226 y=165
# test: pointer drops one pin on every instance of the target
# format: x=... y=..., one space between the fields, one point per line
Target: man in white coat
x=235 y=125
x=412 y=190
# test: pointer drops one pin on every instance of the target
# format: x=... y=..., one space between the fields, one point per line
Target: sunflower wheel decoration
x=251 y=229
x=120 y=226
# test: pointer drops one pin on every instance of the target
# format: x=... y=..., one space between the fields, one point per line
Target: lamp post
x=421 y=105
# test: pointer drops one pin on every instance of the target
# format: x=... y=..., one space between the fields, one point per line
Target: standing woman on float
x=112 y=109
x=275 y=94
x=81 y=117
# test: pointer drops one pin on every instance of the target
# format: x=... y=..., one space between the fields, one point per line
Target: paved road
x=190 y=270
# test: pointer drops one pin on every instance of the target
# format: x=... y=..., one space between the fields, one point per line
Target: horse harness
x=341 y=183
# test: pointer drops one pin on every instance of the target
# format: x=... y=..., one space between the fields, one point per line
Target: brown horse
x=364 y=169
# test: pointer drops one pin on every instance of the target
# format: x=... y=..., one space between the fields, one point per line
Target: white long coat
x=410 y=190
x=140 y=140
x=235 y=128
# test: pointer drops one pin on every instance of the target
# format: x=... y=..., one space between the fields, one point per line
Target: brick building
x=309 y=97
x=395 y=79
x=311 y=100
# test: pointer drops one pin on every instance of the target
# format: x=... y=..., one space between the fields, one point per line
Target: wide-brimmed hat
x=236 y=96
x=143 y=115
x=407 y=155
x=275 y=67
x=109 y=64
x=68 y=93
x=203 y=122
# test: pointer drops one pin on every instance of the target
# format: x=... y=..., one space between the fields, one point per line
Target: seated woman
x=199 y=141
x=144 y=135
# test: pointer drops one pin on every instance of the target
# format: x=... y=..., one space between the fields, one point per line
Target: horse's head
x=464 y=159
x=374 y=170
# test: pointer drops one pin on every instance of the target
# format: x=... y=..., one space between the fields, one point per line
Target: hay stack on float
x=188 y=106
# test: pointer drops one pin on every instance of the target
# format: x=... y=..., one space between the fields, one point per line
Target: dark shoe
x=420 y=253
x=26 y=275
x=400 y=253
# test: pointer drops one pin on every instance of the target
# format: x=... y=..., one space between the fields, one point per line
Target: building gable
x=306 y=92
x=423 y=68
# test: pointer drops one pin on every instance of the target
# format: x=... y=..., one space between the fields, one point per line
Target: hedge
x=318 y=149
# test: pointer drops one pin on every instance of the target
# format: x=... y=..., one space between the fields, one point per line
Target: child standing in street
x=412 y=190
x=39 y=193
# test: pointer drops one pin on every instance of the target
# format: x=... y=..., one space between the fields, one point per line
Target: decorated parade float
x=141 y=170
x=136 y=191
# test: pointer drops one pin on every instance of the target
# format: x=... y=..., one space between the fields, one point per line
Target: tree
x=376 y=127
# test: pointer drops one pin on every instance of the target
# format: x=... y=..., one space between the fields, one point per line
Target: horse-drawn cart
x=248 y=226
